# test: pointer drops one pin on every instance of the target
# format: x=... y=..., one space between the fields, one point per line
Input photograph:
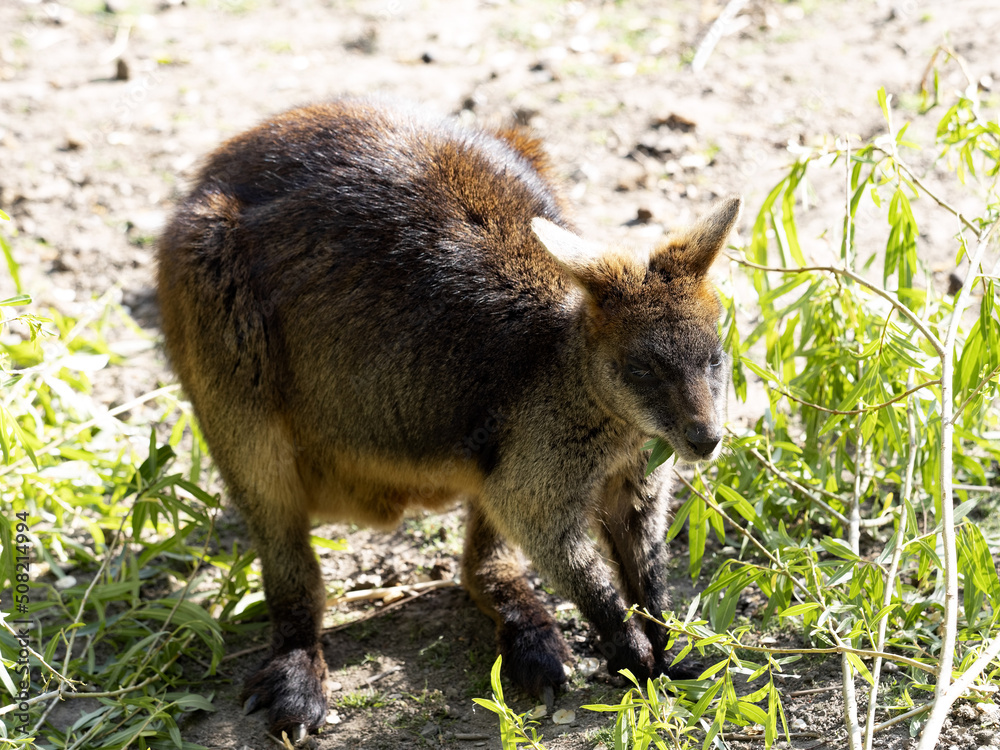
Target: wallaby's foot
x=630 y=649
x=291 y=687
x=533 y=658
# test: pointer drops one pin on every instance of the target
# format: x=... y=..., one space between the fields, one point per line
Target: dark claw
x=251 y=704
x=298 y=733
x=549 y=697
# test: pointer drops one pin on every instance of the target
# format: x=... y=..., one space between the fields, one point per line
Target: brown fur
x=373 y=310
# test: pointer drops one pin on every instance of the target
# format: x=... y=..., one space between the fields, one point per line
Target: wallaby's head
x=652 y=350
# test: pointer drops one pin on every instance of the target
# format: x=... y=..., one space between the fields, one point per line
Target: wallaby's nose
x=703 y=439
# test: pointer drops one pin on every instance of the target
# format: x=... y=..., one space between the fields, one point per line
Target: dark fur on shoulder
x=373 y=310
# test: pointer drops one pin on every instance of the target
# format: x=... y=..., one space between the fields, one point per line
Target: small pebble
x=564 y=716
x=588 y=666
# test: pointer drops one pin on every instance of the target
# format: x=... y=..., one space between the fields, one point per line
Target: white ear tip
x=544 y=228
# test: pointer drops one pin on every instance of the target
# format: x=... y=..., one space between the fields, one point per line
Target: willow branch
x=900 y=307
x=864 y=409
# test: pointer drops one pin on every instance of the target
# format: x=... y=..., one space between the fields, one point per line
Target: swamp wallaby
x=372 y=310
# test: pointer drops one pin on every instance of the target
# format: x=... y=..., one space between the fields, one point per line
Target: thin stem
x=903 y=717
x=850 y=703
x=840 y=648
x=748 y=536
x=912 y=177
x=890 y=579
x=975 y=392
x=864 y=409
x=801 y=488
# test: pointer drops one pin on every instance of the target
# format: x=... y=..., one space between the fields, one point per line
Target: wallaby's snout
x=703 y=439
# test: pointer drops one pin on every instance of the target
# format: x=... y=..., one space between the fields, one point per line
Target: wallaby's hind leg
x=634 y=526
x=290 y=685
x=528 y=637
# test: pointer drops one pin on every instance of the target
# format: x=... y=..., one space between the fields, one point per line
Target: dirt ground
x=105 y=109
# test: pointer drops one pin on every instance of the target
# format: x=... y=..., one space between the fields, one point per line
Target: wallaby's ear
x=693 y=251
x=604 y=274
x=574 y=253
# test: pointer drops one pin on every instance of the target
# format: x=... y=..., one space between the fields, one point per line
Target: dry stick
x=890 y=578
x=334 y=628
x=381 y=593
x=715 y=33
x=943 y=697
x=813 y=691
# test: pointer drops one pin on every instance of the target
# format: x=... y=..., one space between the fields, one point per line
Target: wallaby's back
x=368 y=273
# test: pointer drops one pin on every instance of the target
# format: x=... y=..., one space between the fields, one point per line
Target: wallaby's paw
x=533 y=658
x=630 y=649
x=290 y=687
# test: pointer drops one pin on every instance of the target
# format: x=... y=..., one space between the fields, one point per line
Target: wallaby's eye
x=639 y=372
x=717 y=359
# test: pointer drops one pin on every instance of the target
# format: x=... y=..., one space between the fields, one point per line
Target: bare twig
x=814 y=691
x=902 y=717
x=334 y=628
x=390 y=591
x=864 y=409
x=375 y=678
x=715 y=33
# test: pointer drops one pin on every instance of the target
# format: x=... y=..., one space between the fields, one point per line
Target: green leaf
x=859 y=665
x=800 y=609
x=883 y=102
x=661 y=451
x=754 y=713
